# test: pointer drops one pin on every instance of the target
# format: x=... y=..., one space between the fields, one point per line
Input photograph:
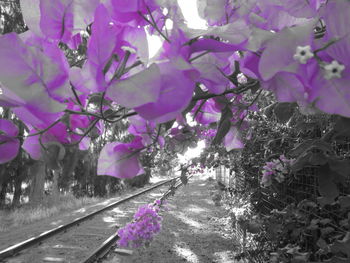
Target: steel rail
x=12 y=250
x=108 y=244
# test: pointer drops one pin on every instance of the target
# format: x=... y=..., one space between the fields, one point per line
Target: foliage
x=27 y=214
x=298 y=209
x=83 y=66
x=92 y=82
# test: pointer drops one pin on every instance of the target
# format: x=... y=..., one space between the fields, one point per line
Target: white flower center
x=333 y=70
x=303 y=54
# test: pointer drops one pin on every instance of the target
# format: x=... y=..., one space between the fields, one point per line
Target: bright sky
x=190 y=12
x=192 y=153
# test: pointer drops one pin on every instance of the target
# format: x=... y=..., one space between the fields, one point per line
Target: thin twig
x=40 y=132
x=76 y=95
x=154 y=25
x=92 y=125
x=198 y=56
x=199 y=108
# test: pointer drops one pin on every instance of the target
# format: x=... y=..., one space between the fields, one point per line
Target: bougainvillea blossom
x=9 y=143
x=139 y=89
x=175 y=94
x=130 y=13
x=233 y=139
x=102 y=43
x=33 y=143
x=56 y=21
x=143 y=128
x=43 y=75
x=279 y=52
x=147 y=223
x=271 y=43
x=59 y=20
x=120 y=159
x=206 y=113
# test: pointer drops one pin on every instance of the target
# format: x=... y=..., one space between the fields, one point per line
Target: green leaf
x=337 y=260
x=224 y=125
x=326 y=185
x=321 y=243
x=318 y=159
x=284 y=111
x=342 y=167
x=342 y=246
x=324 y=200
x=299 y=257
x=310 y=145
x=342 y=127
x=301 y=161
x=344 y=201
x=306 y=126
x=325 y=231
x=301 y=148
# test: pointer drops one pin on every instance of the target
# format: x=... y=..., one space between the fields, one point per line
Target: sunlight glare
x=186 y=253
x=192 y=153
x=190 y=12
x=154 y=44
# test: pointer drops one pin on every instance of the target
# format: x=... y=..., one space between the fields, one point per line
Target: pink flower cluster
x=276 y=169
x=147 y=223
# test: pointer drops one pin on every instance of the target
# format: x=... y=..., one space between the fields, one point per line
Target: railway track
x=88 y=238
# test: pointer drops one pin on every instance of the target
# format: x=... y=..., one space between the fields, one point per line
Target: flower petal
x=118 y=161
x=137 y=90
x=8 y=149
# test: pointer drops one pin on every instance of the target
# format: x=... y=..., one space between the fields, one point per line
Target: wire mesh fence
x=299 y=188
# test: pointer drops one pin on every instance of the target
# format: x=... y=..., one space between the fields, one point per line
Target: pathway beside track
x=194 y=230
x=75 y=244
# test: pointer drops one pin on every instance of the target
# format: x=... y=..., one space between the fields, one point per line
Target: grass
x=27 y=214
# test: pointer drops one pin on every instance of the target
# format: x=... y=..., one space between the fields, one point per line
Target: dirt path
x=194 y=230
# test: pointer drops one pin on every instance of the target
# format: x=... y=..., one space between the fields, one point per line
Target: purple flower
x=279 y=53
x=175 y=94
x=34 y=75
x=9 y=144
x=120 y=159
x=56 y=19
x=214 y=11
x=139 y=89
x=233 y=139
x=75 y=41
x=56 y=135
x=145 y=225
x=206 y=113
x=101 y=46
x=141 y=127
x=129 y=13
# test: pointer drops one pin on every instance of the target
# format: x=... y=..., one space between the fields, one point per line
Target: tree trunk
x=55 y=189
x=70 y=161
x=18 y=187
x=3 y=190
x=38 y=171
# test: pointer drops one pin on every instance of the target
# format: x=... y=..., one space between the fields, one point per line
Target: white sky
x=190 y=12
x=192 y=153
